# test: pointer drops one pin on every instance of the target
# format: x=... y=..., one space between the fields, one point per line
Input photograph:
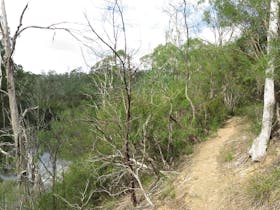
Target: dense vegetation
x=184 y=93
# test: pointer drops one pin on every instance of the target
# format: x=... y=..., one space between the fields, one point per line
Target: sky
x=41 y=51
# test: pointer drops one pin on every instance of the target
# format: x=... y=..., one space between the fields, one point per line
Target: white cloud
x=37 y=51
x=208 y=35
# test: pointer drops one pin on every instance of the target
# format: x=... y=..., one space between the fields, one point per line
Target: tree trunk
x=127 y=134
x=190 y=101
x=15 y=122
x=259 y=146
x=1 y=74
x=54 y=174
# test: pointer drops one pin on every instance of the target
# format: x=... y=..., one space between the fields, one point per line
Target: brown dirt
x=209 y=179
x=205 y=184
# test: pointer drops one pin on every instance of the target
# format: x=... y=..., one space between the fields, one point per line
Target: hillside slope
x=216 y=176
x=218 y=173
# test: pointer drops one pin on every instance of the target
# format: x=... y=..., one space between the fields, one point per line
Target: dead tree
x=24 y=157
x=122 y=62
x=7 y=61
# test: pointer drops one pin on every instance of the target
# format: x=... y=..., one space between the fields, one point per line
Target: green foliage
x=227 y=155
x=222 y=80
x=8 y=195
x=212 y=107
x=80 y=178
x=110 y=203
x=261 y=187
x=162 y=98
x=250 y=15
x=219 y=81
x=82 y=117
x=254 y=113
x=168 y=191
x=61 y=91
x=166 y=57
x=69 y=137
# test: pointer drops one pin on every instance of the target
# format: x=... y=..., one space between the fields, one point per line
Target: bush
x=73 y=184
x=9 y=195
x=262 y=186
x=254 y=113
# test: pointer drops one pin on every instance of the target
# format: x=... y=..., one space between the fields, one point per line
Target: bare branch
x=3 y=91
x=46 y=168
x=4 y=152
x=73 y=206
x=52 y=27
x=28 y=110
x=103 y=41
x=123 y=27
x=18 y=30
x=136 y=176
x=8 y=144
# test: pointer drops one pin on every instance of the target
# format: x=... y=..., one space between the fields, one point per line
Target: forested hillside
x=85 y=140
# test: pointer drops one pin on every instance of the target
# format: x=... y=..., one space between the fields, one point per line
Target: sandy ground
x=204 y=185
x=206 y=181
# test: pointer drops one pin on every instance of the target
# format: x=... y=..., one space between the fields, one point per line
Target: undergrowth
x=264 y=188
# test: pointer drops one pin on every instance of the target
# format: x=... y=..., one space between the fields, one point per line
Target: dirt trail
x=207 y=183
x=204 y=185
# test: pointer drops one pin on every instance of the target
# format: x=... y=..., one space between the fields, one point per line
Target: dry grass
x=230 y=173
x=258 y=184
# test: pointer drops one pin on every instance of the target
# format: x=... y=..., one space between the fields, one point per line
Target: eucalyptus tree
x=258 y=24
x=113 y=124
x=7 y=61
x=182 y=26
x=23 y=134
x=259 y=146
x=234 y=19
x=17 y=117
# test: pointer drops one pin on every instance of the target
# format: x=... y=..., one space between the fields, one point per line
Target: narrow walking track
x=207 y=183
x=204 y=185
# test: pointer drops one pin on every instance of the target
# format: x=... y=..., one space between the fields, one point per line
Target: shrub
x=262 y=186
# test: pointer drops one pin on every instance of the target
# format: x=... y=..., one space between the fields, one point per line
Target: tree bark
x=190 y=101
x=259 y=146
x=127 y=133
x=1 y=74
x=9 y=66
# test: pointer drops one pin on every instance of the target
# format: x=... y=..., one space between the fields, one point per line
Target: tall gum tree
x=14 y=113
x=24 y=157
x=259 y=146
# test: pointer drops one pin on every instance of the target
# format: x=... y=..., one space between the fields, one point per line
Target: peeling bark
x=259 y=146
x=9 y=67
